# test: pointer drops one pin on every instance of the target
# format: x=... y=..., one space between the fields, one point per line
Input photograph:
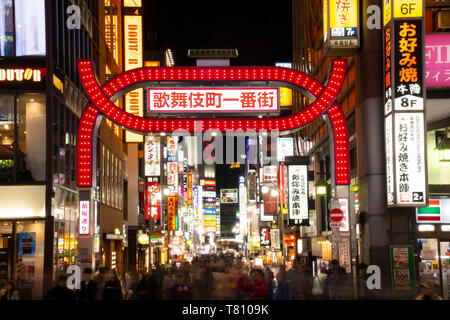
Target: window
x=30 y=27
x=6 y=28
x=22 y=137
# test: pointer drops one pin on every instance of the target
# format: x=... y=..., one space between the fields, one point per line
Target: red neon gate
x=100 y=103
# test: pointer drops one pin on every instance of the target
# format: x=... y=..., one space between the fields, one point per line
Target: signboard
x=172 y=174
x=404 y=105
x=228 y=196
x=152 y=155
x=298 y=192
x=22 y=75
x=275 y=239
x=282 y=185
x=162 y=100
x=410 y=158
x=270 y=174
x=190 y=195
x=27 y=245
x=402 y=269
x=270 y=203
x=143 y=239
x=344 y=254
x=341 y=29
x=152 y=200
x=264 y=237
x=437 y=60
x=336 y=215
x=133 y=51
x=84 y=217
x=345 y=227
x=172 y=205
x=437 y=211
x=172 y=147
x=285 y=148
x=208 y=182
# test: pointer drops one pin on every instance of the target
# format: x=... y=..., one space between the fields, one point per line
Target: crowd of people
x=213 y=278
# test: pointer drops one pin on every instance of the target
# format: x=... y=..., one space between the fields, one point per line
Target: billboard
x=163 y=100
x=298 y=193
x=84 y=217
x=133 y=50
x=172 y=204
x=228 y=196
x=152 y=156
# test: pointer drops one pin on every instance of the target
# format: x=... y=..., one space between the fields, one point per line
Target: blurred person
x=320 y=290
x=88 y=287
x=282 y=288
x=100 y=278
x=112 y=289
x=205 y=283
x=258 y=288
x=336 y=280
x=428 y=291
x=363 y=291
x=293 y=279
x=269 y=280
x=168 y=282
x=242 y=285
x=181 y=290
x=9 y=292
x=60 y=291
x=148 y=288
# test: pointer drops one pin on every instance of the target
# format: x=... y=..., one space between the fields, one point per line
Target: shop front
x=433 y=244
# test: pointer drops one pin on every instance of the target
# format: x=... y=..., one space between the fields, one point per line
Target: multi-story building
x=41 y=101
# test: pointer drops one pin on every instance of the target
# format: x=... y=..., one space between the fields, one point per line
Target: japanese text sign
x=84 y=217
x=172 y=148
x=172 y=174
x=213 y=100
x=152 y=155
x=264 y=234
x=298 y=192
x=172 y=204
x=341 y=28
x=275 y=239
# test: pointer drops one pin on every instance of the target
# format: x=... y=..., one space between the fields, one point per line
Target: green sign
x=402 y=269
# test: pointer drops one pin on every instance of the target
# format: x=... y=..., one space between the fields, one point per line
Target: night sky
x=260 y=30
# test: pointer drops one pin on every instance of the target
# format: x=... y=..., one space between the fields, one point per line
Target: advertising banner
x=27 y=245
x=152 y=155
x=229 y=196
x=172 y=174
x=264 y=235
x=298 y=193
x=402 y=269
x=275 y=239
x=213 y=99
x=437 y=60
x=172 y=206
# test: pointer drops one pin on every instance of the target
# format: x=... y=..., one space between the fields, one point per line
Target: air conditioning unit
x=443 y=19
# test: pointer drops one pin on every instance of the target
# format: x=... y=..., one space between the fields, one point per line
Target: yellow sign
x=132 y=3
x=325 y=19
x=285 y=97
x=134 y=101
x=343 y=13
x=408 y=8
x=172 y=204
x=58 y=84
x=143 y=239
x=152 y=64
x=387 y=12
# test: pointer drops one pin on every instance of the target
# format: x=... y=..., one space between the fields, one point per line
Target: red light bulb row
x=84 y=145
x=325 y=97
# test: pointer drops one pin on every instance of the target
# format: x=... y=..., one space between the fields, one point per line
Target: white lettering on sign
x=213 y=99
x=298 y=192
x=20 y=75
x=84 y=217
x=172 y=173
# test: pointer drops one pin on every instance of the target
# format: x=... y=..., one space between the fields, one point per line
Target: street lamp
x=321 y=187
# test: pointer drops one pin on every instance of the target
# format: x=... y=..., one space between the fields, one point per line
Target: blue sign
x=27 y=245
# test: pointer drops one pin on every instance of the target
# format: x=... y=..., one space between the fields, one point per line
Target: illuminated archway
x=100 y=104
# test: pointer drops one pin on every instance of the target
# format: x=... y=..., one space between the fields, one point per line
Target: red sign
x=172 y=204
x=189 y=193
x=152 y=200
x=336 y=215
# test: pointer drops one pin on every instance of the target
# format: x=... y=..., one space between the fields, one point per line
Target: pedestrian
x=269 y=280
x=88 y=287
x=100 y=278
x=363 y=291
x=9 y=292
x=428 y=293
x=168 y=282
x=181 y=290
x=60 y=291
x=320 y=290
x=258 y=288
x=293 y=279
x=148 y=288
x=282 y=288
x=112 y=289
x=336 y=280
